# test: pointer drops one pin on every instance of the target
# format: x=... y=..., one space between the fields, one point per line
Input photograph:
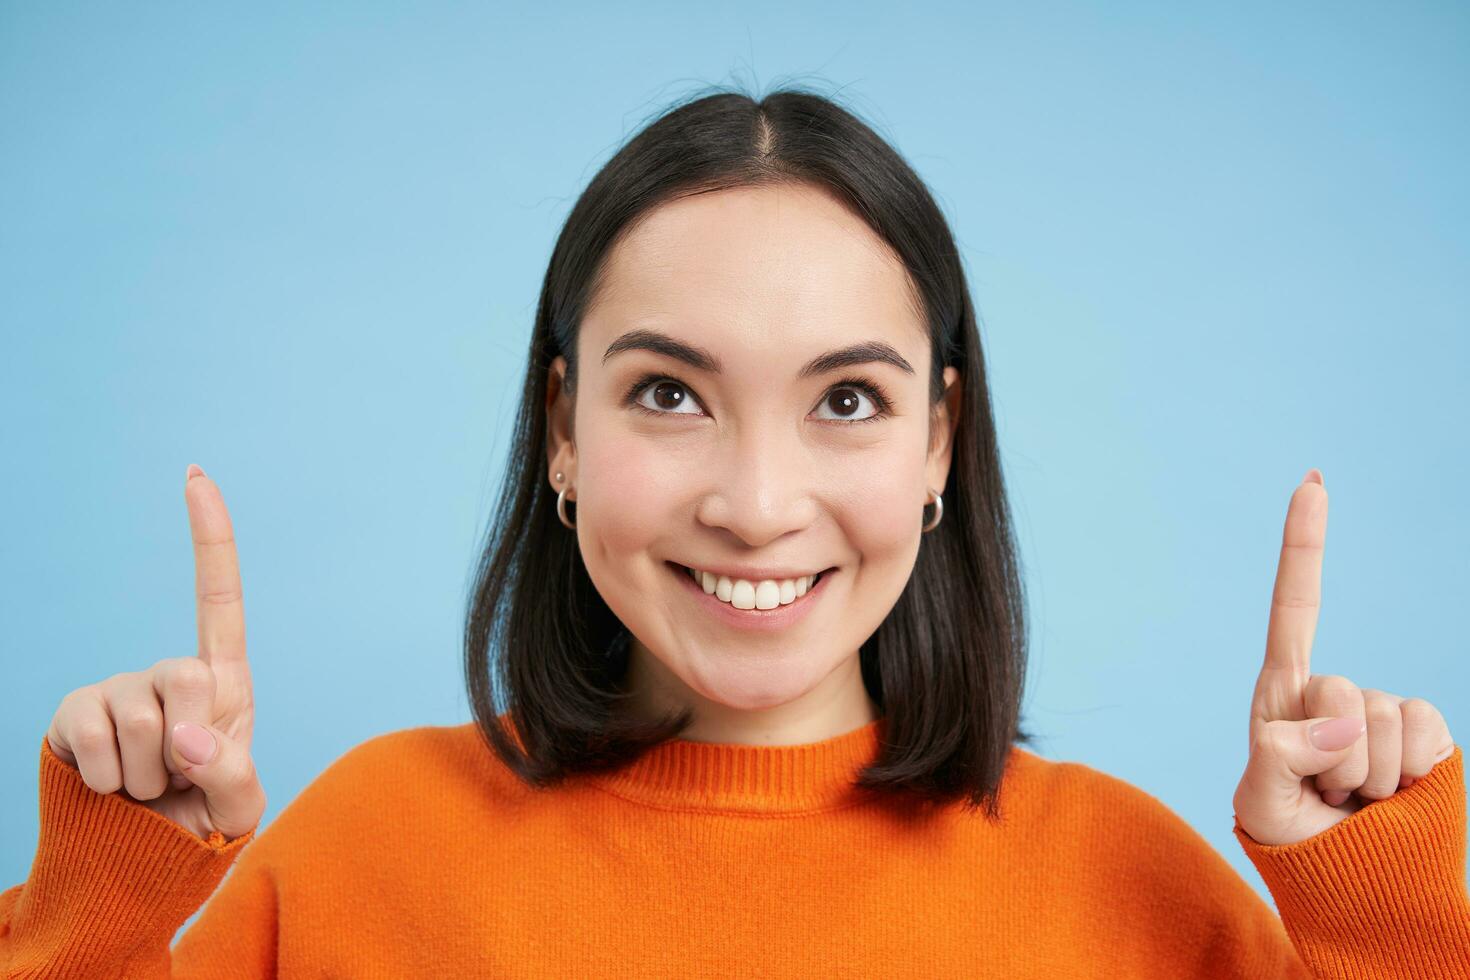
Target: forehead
x=757 y=266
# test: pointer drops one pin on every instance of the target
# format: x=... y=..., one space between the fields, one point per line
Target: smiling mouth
x=744 y=594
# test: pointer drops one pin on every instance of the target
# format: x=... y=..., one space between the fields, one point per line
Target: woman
x=756 y=621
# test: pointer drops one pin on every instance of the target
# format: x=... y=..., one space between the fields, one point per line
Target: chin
x=748 y=684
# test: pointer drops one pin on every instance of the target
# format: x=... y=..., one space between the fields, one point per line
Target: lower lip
x=768 y=620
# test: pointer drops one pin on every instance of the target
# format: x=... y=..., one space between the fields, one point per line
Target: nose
x=763 y=488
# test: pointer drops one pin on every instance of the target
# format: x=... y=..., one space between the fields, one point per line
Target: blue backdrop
x=301 y=245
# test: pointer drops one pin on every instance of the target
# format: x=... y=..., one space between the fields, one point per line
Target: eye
x=663 y=397
x=846 y=400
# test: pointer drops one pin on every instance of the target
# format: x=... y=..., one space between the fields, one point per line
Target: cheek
x=879 y=498
x=880 y=520
x=626 y=489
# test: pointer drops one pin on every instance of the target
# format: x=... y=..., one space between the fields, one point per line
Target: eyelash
x=872 y=389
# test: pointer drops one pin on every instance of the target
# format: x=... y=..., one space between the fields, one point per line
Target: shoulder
x=1093 y=806
x=426 y=775
x=1128 y=833
x=1077 y=793
x=440 y=763
x=1100 y=797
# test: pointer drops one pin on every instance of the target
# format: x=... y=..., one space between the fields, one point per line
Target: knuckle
x=64 y=713
x=242 y=773
x=72 y=697
x=1419 y=712
x=1332 y=694
x=1380 y=711
x=188 y=676
x=138 y=720
x=220 y=596
x=1263 y=742
x=90 y=737
x=117 y=685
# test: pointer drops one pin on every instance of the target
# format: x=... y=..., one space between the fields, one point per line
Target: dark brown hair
x=946 y=666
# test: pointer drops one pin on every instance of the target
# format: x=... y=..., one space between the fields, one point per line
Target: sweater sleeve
x=111 y=883
x=1383 y=893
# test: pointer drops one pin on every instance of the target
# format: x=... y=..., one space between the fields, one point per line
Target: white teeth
x=744 y=594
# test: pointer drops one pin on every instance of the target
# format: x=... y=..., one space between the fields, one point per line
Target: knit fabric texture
x=417 y=853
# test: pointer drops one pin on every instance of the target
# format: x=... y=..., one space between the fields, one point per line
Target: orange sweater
x=417 y=854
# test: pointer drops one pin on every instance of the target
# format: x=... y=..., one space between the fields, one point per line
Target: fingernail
x=194 y=743
x=1314 y=475
x=193 y=471
x=1336 y=733
x=1405 y=782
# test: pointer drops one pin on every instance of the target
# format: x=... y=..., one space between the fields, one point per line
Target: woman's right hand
x=119 y=733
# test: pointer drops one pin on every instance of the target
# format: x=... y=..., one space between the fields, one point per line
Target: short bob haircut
x=946 y=666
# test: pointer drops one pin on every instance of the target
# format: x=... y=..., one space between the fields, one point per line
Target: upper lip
x=752 y=573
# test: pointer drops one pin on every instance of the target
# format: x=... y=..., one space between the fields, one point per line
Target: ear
x=561 y=452
x=942 y=424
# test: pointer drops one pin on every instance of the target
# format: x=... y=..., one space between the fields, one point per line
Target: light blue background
x=301 y=245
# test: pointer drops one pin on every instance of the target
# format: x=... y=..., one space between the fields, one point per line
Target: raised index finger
x=219 y=607
x=1298 y=593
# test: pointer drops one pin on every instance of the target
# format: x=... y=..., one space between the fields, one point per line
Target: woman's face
x=757 y=462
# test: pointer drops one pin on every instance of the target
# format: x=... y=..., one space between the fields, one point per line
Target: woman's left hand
x=1295 y=787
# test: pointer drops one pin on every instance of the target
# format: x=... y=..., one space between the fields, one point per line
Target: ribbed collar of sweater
x=740 y=778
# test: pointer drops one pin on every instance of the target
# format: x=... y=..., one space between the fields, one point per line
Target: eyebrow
x=867 y=352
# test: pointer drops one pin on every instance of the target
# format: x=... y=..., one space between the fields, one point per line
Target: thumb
x=1272 y=804
x=1294 y=750
x=222 y=768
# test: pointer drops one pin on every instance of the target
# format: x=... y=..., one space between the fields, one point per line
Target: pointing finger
x=1297 y=596
x=219 y=607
